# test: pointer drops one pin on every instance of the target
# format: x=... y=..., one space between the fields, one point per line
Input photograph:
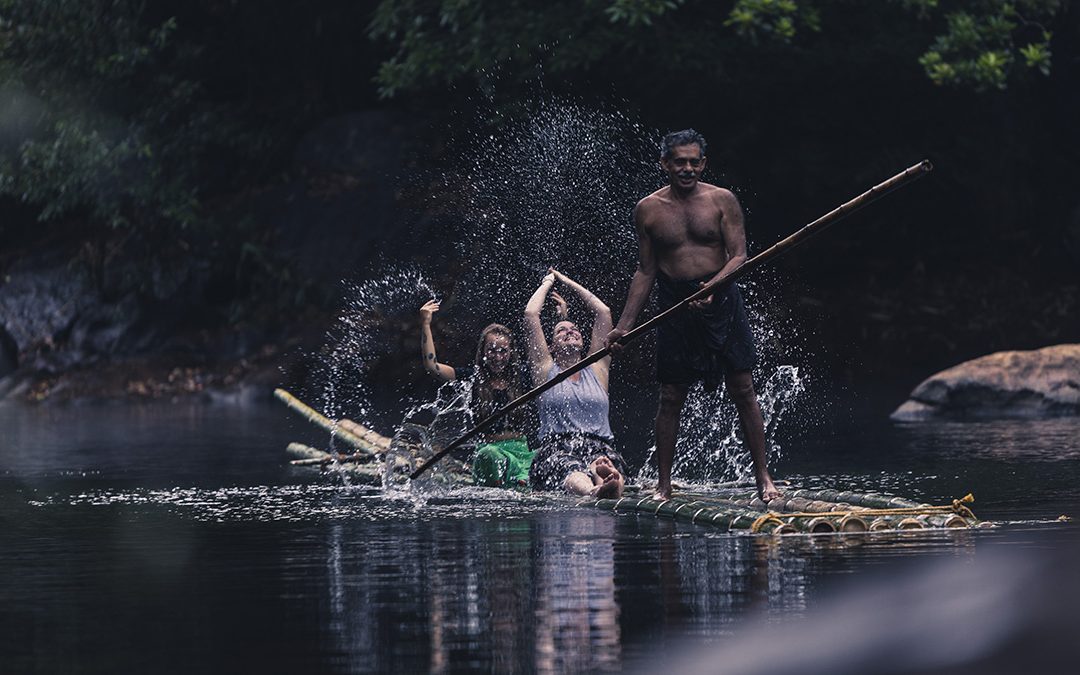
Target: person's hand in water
x=429 y=308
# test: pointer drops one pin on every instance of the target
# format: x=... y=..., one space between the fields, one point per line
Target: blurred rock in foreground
x=1012 y=612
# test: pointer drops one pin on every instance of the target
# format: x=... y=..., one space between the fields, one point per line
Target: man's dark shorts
x=703 y=344
x=562 y=454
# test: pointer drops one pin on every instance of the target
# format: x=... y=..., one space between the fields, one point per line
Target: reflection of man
x=689 y=234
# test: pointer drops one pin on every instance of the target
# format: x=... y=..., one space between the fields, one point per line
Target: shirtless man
x=689 y=234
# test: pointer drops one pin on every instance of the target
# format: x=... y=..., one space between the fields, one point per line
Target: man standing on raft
x=690 y=234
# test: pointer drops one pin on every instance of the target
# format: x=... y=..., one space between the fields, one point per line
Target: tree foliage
x=978 y=44
x=113 y=125
x=987 y=42
x=137 y=112
x=131 y=128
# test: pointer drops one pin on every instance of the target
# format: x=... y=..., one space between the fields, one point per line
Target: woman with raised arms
x=577 y=449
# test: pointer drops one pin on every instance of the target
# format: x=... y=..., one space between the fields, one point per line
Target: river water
x=175 y=538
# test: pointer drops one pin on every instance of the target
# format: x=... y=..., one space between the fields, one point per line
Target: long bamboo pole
x=750 y=265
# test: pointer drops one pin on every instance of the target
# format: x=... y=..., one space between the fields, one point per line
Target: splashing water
x=710 y=445
x=555 y=189
x=425 y=427
x=360 y=338
x=559 y=189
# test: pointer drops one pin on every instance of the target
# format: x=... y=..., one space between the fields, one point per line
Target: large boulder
x=1038 y=383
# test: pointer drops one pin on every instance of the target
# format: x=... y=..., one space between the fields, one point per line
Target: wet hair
x=483 y=392
x=679 y=138
x=493 y=329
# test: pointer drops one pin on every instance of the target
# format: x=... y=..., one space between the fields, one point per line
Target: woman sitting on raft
x=577 y=452
x=504 y=458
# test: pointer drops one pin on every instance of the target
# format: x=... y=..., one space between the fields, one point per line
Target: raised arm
x=427 y=345
x=536 y=346
x=642 y=283
x=601 y=324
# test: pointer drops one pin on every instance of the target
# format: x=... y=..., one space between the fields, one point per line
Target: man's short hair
x=679 y=138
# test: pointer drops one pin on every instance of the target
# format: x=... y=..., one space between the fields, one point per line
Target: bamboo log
x=883 y=523
x=310 y=456
x=320 y=420
x=363 y=432
x=910 y=524
x=306 y=451
x=780 y=505
x=947 y=521
x=312 y=461
x=879 y=524
x=777 y=249
x=819 y=525
x=852 y=523
x=869 y=500
x=697 y=513
x=369 y=473
x=360 y=431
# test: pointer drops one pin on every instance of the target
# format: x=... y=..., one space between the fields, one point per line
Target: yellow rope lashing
x=958 y=506
x=767 y=517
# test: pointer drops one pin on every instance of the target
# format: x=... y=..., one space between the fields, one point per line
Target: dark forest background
x=183 y=186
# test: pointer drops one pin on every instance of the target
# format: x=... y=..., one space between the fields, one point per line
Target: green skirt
x=503 y=463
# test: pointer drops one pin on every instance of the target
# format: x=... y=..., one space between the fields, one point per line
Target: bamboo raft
x=731 y=508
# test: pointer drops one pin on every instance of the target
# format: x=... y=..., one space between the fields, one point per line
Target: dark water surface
x=177 y=538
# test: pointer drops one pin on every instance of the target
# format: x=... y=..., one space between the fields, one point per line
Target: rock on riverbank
x=1037 y=383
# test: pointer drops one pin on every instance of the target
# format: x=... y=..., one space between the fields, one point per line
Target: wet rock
x=40 y=298
x=1026 y=384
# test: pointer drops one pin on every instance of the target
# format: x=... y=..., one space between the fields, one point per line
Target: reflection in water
x=509 y=593
x=564 y=592
x=1008 y=440
x=577 y=618
x=183 y=553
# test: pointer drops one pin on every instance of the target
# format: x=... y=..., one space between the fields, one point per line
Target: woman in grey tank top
x=577 y=452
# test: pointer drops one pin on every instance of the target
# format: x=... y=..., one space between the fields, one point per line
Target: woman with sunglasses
x=577 y=452
x=503 y=459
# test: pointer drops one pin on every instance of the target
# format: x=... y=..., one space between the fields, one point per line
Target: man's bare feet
x=766 y=490
x=663 y=492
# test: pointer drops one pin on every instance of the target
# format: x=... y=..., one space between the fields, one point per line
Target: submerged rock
x=1038 y=383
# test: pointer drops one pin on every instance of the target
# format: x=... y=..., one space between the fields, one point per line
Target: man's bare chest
x=671 y=227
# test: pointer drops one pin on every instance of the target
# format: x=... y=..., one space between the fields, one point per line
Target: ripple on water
x=314 y=502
